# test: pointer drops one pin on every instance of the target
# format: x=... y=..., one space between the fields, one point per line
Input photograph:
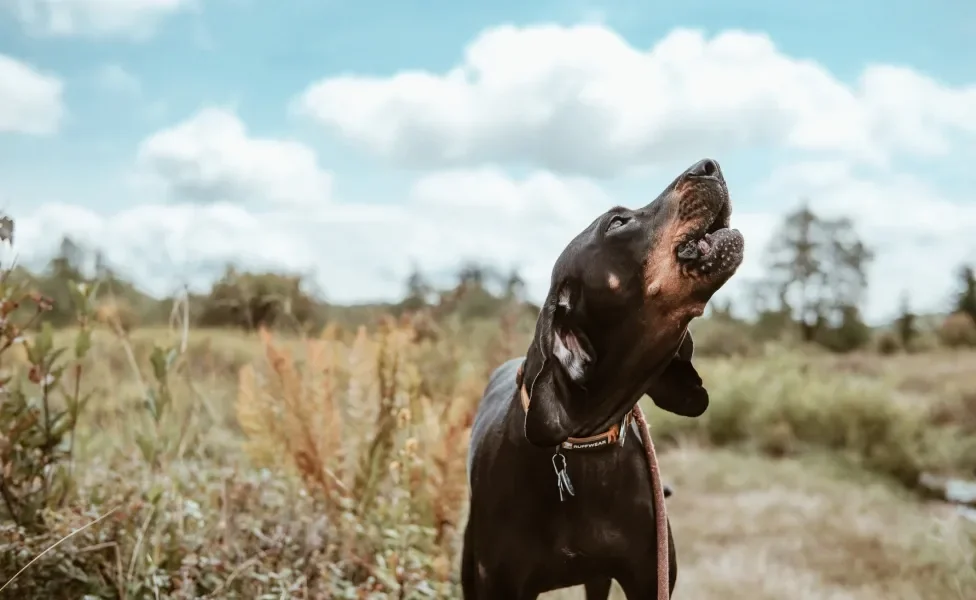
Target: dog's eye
x=616 y=222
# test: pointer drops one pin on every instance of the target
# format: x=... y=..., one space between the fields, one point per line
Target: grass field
x=334 y=467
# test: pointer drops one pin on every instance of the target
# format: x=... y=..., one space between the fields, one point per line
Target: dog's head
x=614 y=324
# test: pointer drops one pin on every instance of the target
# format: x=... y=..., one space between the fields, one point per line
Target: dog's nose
x=704 y=168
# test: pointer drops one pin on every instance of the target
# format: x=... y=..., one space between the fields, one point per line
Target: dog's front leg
x=494 y=586
x=482 y=582
x=469 y=573
x=598 y=589
x=641 y=582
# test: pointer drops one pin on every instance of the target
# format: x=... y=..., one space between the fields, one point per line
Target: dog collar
x=615 y=435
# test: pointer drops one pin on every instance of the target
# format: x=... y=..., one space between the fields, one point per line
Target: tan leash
x=660 y=510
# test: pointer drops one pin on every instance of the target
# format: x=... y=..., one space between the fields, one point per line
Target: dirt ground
x=750 y=527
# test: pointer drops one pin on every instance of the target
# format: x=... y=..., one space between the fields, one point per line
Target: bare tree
x=819 y=268
x=905 y=324
x=966 y=298
x=419 y=290
x=514 y=285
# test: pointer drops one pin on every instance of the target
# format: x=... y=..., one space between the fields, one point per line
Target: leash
x=661 y=512
x=617 y=434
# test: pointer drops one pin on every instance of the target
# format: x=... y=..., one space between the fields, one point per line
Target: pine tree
x=906 y=325
x=966 y=301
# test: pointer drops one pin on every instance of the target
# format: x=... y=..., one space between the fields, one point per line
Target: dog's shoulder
x=494 y=404
x=498 y=391
x=503 y=376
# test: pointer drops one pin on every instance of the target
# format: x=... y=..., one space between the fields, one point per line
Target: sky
x=354 y=141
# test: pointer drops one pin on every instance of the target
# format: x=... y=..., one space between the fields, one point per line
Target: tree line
x=814 y=285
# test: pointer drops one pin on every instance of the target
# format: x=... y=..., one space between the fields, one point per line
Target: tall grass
x=263 y=466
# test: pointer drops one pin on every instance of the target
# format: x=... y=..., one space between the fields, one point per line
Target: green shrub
x=781 y=405
x=40 y=404
x=253 y=300
x=958 y=330
x=723 y=338
x=850 y=334
x=887 y=343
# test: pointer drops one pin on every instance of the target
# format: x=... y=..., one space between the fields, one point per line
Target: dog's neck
x=617 y=404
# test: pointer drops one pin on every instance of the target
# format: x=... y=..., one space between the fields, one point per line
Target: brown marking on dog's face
x=695 y=252
x=664 y=285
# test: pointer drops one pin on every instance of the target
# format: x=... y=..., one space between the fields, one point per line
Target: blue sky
x=179 y=134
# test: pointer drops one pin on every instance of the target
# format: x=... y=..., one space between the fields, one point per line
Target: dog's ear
x=679 y=388
x=686 y=350
x=568 y=344
x=560 y=343
x=547 y=423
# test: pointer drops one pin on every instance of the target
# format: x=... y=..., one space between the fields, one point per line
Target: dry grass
x=334 y=467
x=931 y=373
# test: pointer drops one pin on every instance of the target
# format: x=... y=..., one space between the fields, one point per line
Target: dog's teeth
x=688 y=252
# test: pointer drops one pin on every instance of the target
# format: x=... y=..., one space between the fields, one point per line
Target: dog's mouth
x=712 y=249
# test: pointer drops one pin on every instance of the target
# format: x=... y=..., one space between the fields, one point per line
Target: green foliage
x=158 y=398
x=253 y=300
x=888 y=343
x=780 y=406
x=906 y=326
x=723 y=337
x=850 y=334
x=39 y=408
x=817 y=269
x=966 y=300
x=774 y=325
x=958 y=330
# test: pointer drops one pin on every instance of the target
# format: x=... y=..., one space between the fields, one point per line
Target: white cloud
x=30 y=101
x=581 y=99
x=919 y=233
x=163 y=245
x=354 y=250
x=134 y=19
x=211 y=158
x=485 y=215
x=265 y=202
x=115 y=79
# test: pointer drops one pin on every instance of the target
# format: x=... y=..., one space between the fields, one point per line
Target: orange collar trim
x=616 y=434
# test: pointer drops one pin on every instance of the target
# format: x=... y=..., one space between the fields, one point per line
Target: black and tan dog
x=560 y=495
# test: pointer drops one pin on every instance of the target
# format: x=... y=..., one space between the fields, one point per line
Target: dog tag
x=562 y=477
x=624 y=426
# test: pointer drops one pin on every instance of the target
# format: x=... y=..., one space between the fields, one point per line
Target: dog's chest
x=609 y=515
x=596 y=536
x=581 y=548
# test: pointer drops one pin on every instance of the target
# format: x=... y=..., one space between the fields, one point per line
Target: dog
x=559 y=494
